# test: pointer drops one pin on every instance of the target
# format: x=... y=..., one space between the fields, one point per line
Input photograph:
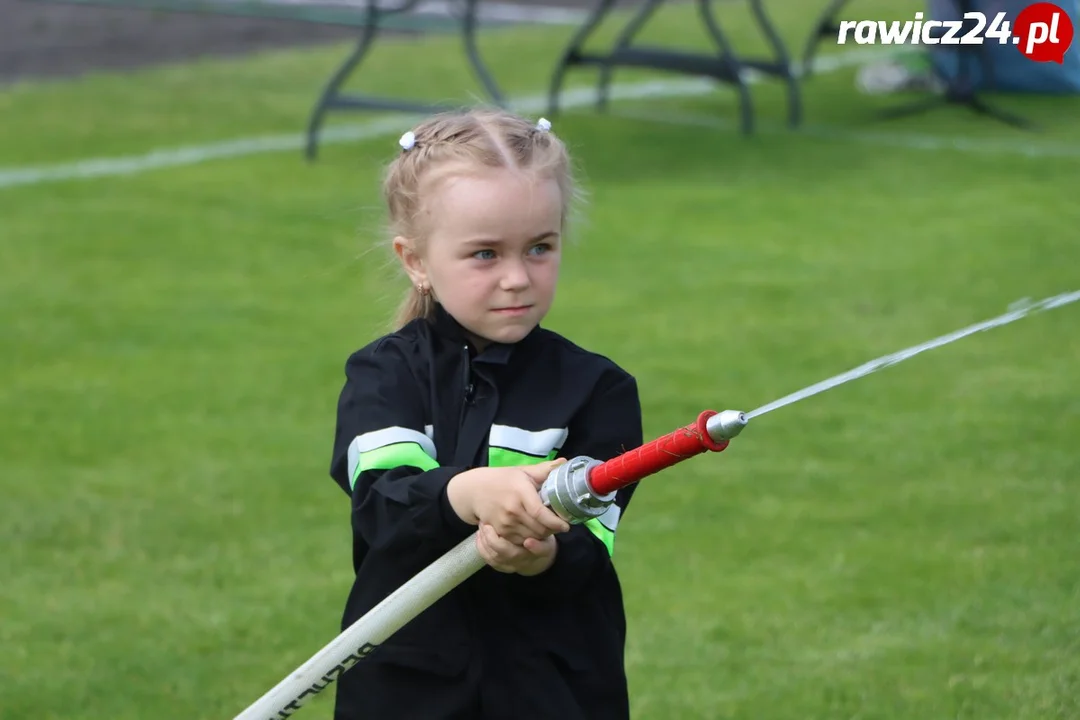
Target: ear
x=405 y=249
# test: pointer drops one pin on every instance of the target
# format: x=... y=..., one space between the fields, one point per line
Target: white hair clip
x=407 y=141
x=543 y=125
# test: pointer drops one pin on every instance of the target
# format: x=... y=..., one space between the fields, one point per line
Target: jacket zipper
x=468 y=386
x=470 y=389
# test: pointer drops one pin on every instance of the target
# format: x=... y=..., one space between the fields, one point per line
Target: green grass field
x=902 y=547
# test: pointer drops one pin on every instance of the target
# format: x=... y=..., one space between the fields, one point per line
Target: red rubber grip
x=654 y=456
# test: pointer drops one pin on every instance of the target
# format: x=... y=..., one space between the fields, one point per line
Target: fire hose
x=578 y=490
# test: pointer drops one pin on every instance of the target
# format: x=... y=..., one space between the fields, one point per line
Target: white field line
x=159 y=159
x=908 y=141
x=490 y=11
x=510 y=12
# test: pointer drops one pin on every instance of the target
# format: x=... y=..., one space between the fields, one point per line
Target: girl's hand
x=508 y=499
x=531 y=558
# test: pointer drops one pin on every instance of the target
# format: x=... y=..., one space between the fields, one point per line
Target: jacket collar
x=449 y=328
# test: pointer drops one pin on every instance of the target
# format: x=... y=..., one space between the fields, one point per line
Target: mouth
x=515 y=310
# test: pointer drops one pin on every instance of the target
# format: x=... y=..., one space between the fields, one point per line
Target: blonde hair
x=491 y=138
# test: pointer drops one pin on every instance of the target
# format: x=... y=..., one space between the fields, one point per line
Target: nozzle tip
x=726 y=425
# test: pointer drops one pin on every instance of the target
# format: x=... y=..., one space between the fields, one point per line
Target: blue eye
x=542 y=248
x=480 y=254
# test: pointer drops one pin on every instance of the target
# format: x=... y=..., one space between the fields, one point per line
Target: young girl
x=449 y=426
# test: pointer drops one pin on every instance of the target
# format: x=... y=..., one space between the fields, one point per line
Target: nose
x=515 y=276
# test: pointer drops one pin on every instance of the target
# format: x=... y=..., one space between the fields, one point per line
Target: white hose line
x=453 y=568
x=1018 y=311
x=367 y=633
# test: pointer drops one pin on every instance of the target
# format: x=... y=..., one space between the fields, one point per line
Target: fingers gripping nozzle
x=567 y=492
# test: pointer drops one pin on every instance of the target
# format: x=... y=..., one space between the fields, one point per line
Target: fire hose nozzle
x=583 y=488
x=726 y=425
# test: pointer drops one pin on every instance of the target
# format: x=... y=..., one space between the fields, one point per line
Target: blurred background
x=191 y=244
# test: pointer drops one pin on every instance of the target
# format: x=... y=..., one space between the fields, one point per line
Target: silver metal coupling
x=566 y=491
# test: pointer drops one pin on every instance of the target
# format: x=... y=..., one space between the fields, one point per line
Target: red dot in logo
x=1043 y=32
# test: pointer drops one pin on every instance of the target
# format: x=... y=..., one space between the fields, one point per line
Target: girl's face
x=493 y=251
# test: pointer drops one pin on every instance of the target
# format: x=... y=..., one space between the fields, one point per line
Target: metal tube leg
x=825 y=22
x=734 y=66
x=793 y=90
x=469 y=31
x=339 y=77
x=625 y=38
x=573 y=50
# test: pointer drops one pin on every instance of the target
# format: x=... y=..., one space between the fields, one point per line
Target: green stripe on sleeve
x=391 y=456
x=501 y=457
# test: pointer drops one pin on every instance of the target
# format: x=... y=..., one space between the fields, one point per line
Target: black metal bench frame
x=332 y=97
x=726 y=66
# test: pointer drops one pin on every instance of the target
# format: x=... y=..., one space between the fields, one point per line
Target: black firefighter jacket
x=418 y=407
